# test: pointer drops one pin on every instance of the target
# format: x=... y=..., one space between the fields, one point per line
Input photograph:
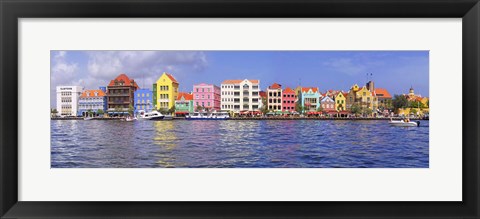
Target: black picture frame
x=12 y=10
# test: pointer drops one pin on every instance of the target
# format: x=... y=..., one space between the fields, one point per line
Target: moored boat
x=404 y=123
x=153 y=115
x=208 y=116
x=88 y=118
x=130 y=119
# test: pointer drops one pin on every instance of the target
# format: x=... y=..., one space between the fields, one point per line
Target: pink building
x=206 y=96
x=289 y=98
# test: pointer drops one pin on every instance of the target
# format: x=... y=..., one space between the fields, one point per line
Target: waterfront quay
x=258 y=118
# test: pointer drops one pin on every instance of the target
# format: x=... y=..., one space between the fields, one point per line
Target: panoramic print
x=239 y=109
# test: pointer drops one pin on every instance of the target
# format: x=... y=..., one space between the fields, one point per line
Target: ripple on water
x=241 y=144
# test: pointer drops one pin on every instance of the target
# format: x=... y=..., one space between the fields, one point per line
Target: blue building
x=310 y=97
x=92 y=103
x=143 y=100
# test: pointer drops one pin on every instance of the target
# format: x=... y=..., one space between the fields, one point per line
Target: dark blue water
x=238 y=144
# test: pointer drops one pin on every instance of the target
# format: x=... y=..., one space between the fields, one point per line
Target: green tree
x=199 y=108
x=264 y=108
x=400 y=101
x=53 y=110
x=355 y=109
x=89 y=113
x=299 y=108
x=172 y=109
x=413 y=111
x=130 y=110
x=367 y=111
x=100 y=112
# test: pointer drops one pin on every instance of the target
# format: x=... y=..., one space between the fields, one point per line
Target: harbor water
x=238 y=144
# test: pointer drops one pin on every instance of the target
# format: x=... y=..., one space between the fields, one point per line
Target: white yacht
x=153 y=115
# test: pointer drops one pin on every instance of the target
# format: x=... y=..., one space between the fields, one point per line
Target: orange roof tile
x=187 y=96
x=91 y=93
x=306 y=89
x=275 y=86
x=288 y=90
x=238 y=81
x=382 y=92
x=125 y=79
x=171 y=78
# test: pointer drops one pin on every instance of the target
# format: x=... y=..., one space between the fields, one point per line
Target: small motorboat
x=403 y=123
x=130 y=119
x=88 y=118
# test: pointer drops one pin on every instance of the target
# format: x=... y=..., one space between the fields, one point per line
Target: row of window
x=164 y=96
x=90 y=99
x=66 y=93
x=203 y=97
x=202 y=104
x=143 y=94
x=237 y=107
x=95 y=94
x=144 y=107
x=119 y=99
x=66 y=100
x=203 y=89
x=328 y=106
x=237 y=87
x=143 y=101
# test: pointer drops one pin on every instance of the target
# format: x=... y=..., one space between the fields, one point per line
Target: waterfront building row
x=122 y=94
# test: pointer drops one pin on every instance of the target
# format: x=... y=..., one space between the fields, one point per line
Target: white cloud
x=143 y=66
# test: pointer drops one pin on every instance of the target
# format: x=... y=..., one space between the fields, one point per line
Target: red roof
x=239 y=81
x=126 y=80
x=288 y=90
x=91 y=93
x=187 y=96
x=306 y=89
x=275 y=86
x=263 y=94
x=171 y=78
x=382 y=92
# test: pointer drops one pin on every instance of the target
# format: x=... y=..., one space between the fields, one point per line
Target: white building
x=240 y=95
x=67 y=100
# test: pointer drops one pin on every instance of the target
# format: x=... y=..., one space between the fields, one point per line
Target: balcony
x=119 y=94
x=118 y=102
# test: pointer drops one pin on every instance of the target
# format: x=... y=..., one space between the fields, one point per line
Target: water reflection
x=258 y=144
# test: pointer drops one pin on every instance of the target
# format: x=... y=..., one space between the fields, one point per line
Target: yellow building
x=367 y=99
x=340 y=102
x=166 y=90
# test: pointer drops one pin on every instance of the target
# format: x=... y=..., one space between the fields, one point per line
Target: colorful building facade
x=92 y=102
x=240 y=95
x=310 y=97
x=184 y=104
x=274 y=97
x=143 y=100
x=165 y=91
x=120 y=94
x=328 y=104
x=289 y=99
x=340 y=102
x=206 y=96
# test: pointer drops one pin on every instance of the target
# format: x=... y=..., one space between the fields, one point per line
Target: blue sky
x=394 y=70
